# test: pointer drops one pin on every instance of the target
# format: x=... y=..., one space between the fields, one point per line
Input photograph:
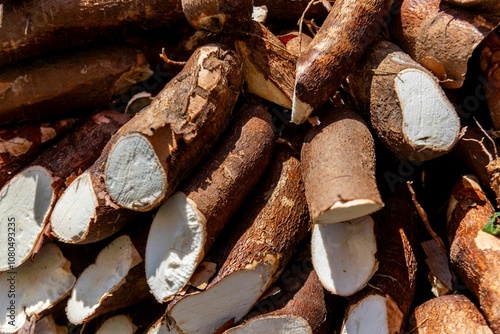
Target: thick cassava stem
x=79 y=82
x=34 y=287
x=217 y=15
x=490 y=61
x=268 y=67
x=440 y=36
x=300 y=306
x=269 y=230
x=114 y=281
x=479 y=154
x=349 y=28
x=408 y=110
x=189 y=222
x=32 y=28
x=447 y=314
x=338 y=167
x=150 y=155
x=30 y=195
x=20 y=144
x=485 y=6
x=384 y=305
x=475 y=254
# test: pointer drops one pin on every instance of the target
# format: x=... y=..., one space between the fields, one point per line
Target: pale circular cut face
x=343 y=255
x=285 y=324
x=118 y=324
x=369 y=316
x=175 y=246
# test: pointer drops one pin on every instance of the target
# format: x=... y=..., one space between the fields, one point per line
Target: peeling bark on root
x=79 y=82
x=408 y=110
x=384 y=305
x=150 y=155
x=338 y=167
x=187 y=225
x=268 y=67
x=349 y=28
x=217 y=15
x=447 y=314
x=28 y=198
x=20 y=144
x=38 y=27
x=269 y=230
x=475 y=254
x=38 y=285
x=440 y=36
x=490 y=60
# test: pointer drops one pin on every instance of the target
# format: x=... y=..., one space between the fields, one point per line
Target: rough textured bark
x=20 y=144
x=440 y=36
x=475 y=254
x=447 y=314
x=81 y=81
x=217 y=15
x=214 y=192
x=268 y=67
x=486 y=6
x=489 y=60
x=407 y=108
x=150 y=155
x=269 y=230
x=384 y=305
x=295 y=42
x=28 y=198
x=349 y=28
x=31 y=28
x=338 y=167
x=478 y=153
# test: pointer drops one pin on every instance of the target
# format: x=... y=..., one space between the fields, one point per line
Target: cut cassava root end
x=149 y=156
x=187 y=225
x=344 y=255
x=338 y=167
x=408 y=109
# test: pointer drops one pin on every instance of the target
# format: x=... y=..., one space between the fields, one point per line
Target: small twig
x=301 y=22
x=423 y=216
x=418 y=325
x=487 y=136
x=163 y=56
x=480 y=142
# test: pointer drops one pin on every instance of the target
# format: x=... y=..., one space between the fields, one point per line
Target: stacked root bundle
x=222 y=166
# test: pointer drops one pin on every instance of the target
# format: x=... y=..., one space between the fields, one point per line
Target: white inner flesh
x=25 y=202
x=273 y=324
x=74 y=211
x=120 y=324
x=258 y=84
x=369 y=316
x=343 y=255
x=429 y=119
x=34 y=287
x=99 y=280
x=341 y=212
x=175 y=246
x=232 y=297
x=134 y=176
x=300 y=110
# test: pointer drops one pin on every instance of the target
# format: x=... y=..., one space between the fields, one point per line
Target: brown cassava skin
x=217 y=15
x=263 y=52
x=490 y=60
x=270 y=226
x=295 y=42
x=396 y=277
x=440 y=36
x=20 y=144
x=372 y=84
x=477 y=158
x=485 y=6
x=448 y=314
x=62 y=85
x=284 y=10
x=233 y=169
x=474 y=254
x=186 y=117
x=338 y=162
x=349 y=28
x=32 y=28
